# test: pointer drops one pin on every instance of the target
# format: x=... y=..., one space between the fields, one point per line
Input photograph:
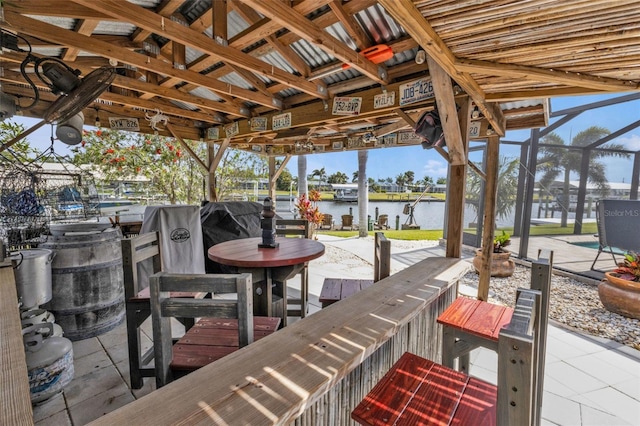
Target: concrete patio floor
x=588 y=380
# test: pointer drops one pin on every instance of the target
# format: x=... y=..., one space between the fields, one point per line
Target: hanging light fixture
x=98 y=123
x=475 y=114
x=490 y=131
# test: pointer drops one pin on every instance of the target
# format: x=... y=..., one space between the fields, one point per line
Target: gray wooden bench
x=335 y=289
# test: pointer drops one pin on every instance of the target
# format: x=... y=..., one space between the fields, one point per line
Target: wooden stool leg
x=448 y=343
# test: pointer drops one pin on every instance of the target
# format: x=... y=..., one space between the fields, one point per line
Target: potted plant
x=501 y=263
x=620 y=290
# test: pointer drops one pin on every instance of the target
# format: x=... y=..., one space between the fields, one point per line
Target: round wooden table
x=268 y=266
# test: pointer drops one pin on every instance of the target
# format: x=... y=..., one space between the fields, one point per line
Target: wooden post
x=491 y=190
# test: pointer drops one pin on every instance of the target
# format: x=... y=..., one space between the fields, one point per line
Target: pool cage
x=34 y=196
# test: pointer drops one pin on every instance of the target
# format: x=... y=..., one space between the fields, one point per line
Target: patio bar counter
x=316 y=370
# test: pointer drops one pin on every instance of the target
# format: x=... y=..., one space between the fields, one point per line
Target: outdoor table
x=268 y=266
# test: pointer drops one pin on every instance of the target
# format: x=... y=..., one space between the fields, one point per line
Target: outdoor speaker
x=70 y=131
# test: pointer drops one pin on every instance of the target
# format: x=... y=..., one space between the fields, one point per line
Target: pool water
x=595 y=245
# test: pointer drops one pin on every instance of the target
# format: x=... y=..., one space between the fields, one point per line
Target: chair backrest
x=383 y=219
x=134 y=251
x=522 y=348
x=293 y=227
x=347 y=220
x=517 y=370
x=382 y=257
x=327 y=220
x=163 y=307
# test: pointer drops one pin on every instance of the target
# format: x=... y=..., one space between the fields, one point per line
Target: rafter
x=146 y=19
x=538 y=74
x=289 y=18
x=52 y=32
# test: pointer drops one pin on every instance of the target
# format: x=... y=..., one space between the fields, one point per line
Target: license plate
x=416 y=91
x=343 y=105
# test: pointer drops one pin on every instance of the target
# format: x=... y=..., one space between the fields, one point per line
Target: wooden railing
x=316 y=370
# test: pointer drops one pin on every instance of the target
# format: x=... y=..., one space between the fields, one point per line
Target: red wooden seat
x=403 y=398
x=419 y=391
x=468 y=324
x=213 y=338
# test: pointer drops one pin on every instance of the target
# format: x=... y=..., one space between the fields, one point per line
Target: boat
x=345 y=192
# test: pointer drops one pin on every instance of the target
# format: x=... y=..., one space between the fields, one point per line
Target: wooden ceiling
x=224 y=68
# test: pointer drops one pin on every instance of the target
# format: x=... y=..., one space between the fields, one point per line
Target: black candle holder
x=268 y=225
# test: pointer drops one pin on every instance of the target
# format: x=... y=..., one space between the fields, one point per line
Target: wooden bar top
x=245 y=252
x=14 y=383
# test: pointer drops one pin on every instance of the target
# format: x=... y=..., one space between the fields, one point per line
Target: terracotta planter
x=501 y=263
x=620 y=296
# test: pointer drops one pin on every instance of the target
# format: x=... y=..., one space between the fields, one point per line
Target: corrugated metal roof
x=201 y=92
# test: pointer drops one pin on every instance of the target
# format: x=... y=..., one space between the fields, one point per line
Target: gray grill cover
x=181 y=240
x=225 y=221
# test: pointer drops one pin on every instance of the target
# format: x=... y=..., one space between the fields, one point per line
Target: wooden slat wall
x=15 y=401
x=317 y=369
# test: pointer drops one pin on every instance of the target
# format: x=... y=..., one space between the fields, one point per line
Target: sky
x=390 y=162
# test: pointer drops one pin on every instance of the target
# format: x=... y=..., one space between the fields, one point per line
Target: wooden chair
x=420 y=391
x=470 y=323
x=136 y=250
x=327 y=222
x=228 y=326
x=300 y=228
x=347 y=222
x=383 y=222
x=335 y=289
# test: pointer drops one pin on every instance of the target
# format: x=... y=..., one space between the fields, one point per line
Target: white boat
x=346 y=192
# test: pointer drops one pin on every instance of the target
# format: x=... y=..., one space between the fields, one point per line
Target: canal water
x=427 y=214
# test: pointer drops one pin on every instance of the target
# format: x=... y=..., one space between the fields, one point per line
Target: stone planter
x=501 y=263
x=620 y=296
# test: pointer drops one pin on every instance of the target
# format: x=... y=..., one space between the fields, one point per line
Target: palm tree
x=555 y=161
x=507 y=187
x=320 y=173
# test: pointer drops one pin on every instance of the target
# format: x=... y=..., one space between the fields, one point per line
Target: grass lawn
x=436 y=234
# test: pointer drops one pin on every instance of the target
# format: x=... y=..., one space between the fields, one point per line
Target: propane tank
x=38 y=316
x=49 y=361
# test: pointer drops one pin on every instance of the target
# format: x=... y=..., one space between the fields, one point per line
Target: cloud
x=631 y=142
x=435 y=169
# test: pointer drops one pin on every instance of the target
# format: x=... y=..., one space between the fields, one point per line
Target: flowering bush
x=308 y=208
x=629 y=269
x=500 y=242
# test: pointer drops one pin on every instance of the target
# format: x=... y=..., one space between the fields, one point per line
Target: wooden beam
x=186 y=147
x=350 y=24
x=457 y=179
x=251 y=16
x=490 y=195
x=216 y=160
x=179 y=95
x=84 y=27
x=406 y=14
x=148 y=20
x=289 y=18
x=166 y=9
x=443 y=91
x=545 y=75
x=22 y=135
